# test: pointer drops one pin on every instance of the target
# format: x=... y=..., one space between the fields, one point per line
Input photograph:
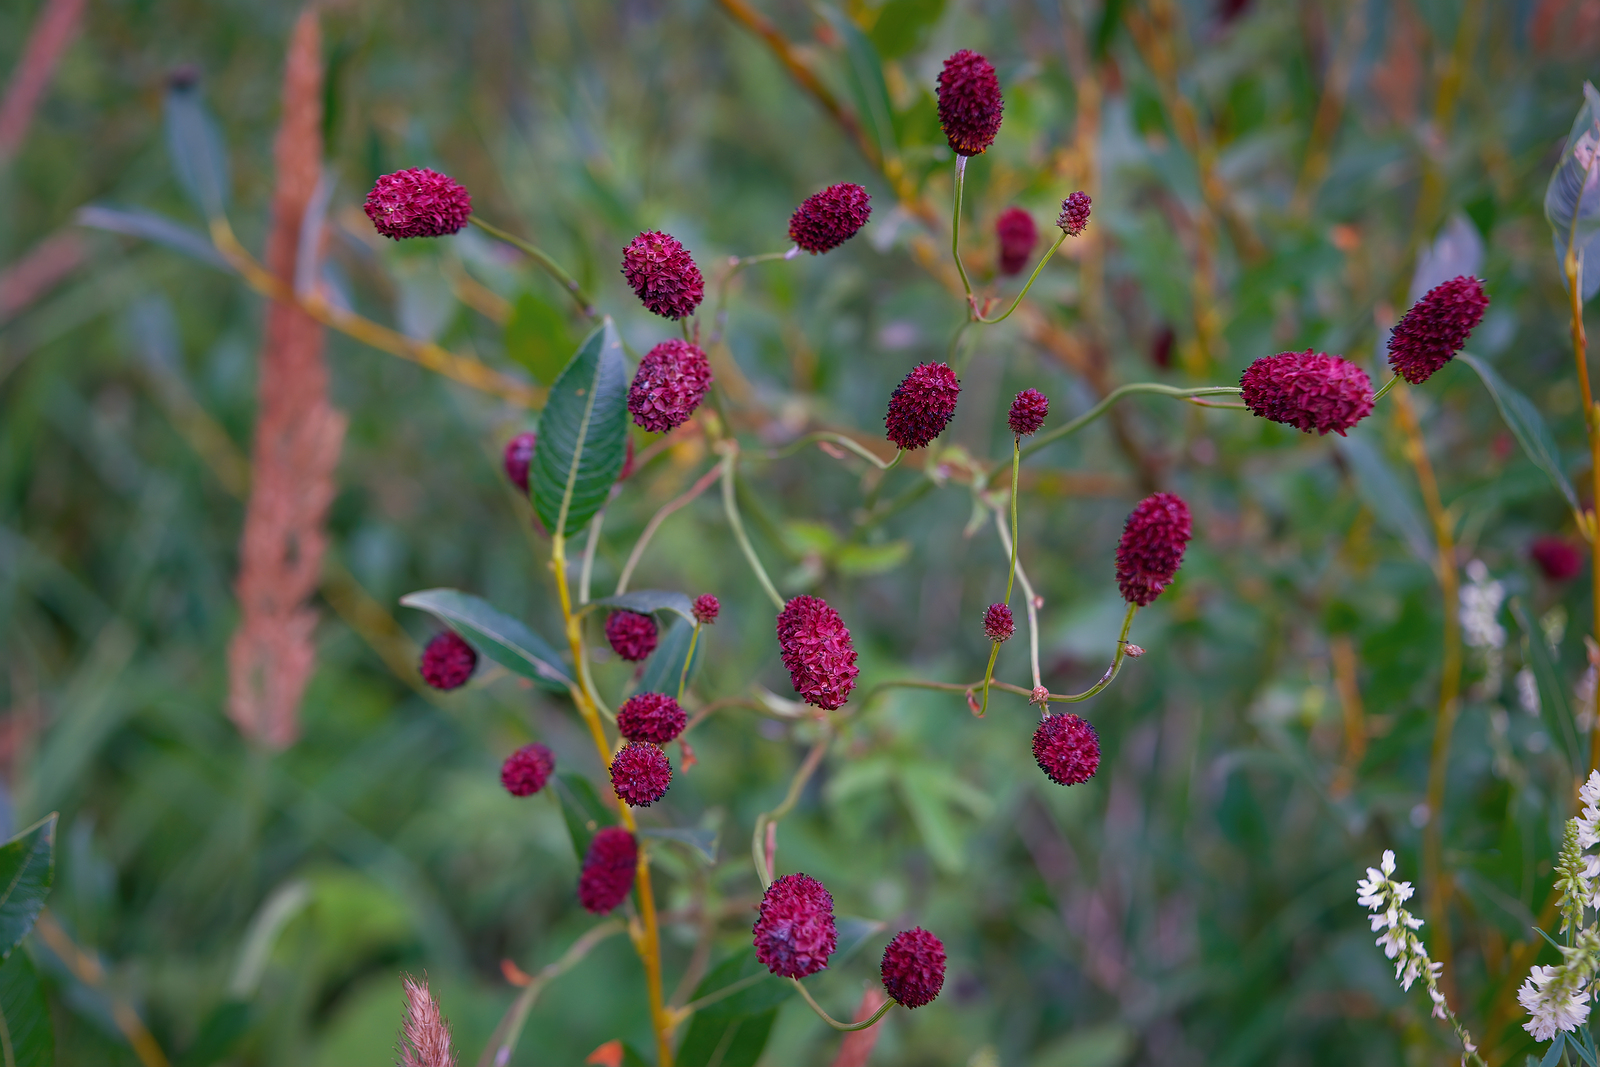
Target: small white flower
x=1480 y=606
x=1528 y=692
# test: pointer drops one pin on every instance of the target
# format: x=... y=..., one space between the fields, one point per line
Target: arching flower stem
x=541 y=257
x=955 y=232
x=730 y=505
x=1049 y=253
x=1011 y=573
x=824 y=1016
x=1118 y=393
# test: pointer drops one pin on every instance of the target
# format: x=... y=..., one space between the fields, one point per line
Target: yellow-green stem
x=1117 y=394
x=541 y=257
x=731 y=506
x=1050 y=252
x=1011 y=569
x=683 y=676
x=835 y=1023
x=955 y=234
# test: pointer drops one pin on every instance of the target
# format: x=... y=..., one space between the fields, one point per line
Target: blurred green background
x=1193 y=903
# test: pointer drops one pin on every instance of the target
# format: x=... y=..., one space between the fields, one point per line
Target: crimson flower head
x=672 y=379
x=640 y=773
x=913 y=968
x=998 y=625
x=418 y=203
x=448 y=661
x=705 y=609
x=1151 y=549
x=795 y=933
x=1557 y=557
x=663 y=273
x=1074 y=214
x=653 y=717
x=922 y=405
x=1308 y=390
x=1017 y=234
x=1028 y=412
x=608 y=870
x=519 y=457
x=1433 y=331
x=1067 y=748
x=969 y=103
x=828 y=219
x=632 y=635
x=816 y=648
x=527 y=769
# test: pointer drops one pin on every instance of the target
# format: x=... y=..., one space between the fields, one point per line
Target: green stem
x=955 y=233
x=1117 y=394
x=683 y=676
x=843 y=442
x=830 y=1020
x=1388 y=385
x=988 y=677
x=540 y=256
x=1011 y=572
x=731 y=506
x=1112 y=671
x=1015 y=303
x=587 y=570
x=504 y=1041
x=796 y=785
x=735 y=264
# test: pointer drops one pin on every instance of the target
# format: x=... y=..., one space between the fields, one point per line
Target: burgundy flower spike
x=1074 y=214
x=1151 y=549
x=633 y=636
x=640 y=774
x=816 y=648
x=1016 y=234
x=1028 y=412
x=795 y=933
x=672 y=380
x=1067 y=748
x=448 y=661
x=418 y=203
x=998 y=625
x=969 y=103
x=922 y=405
x=1308 y=390
x=653 y=717
x=705 y=609
x=663 y=273
x=608 y=870
x=527 y=769
x=828 y=219
x=913 y=968
x=1433 y=331
x=519 y=457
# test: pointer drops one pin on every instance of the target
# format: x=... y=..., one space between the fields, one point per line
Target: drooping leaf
x=29 y=1038
x=582 y=433
x=1526 y=425
x=1572 y=199
x=27 y=867
x=665 y=665
x=650 y=601
x=152 y=227
x=738 y=1024
x=195 y=146
x=537 y=337
x=582 y=810
x=1380 y=489
x=864 y=75
x=505 y=640
x=702 y=841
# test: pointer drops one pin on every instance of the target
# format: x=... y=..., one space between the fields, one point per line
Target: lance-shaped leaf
x=650 y=601
x=1572 y=199
x=864 y=73
x=505 y=640
x=29 y=1039
x=196 y=147
x=27 y=866
x=582 y=811
x=153 y=227
x=1526 y=424
x=582 y=434
x=1385 y=497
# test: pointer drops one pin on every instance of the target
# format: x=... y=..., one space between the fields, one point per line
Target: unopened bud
x=1041 y=696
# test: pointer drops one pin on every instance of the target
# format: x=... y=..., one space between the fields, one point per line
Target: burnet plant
x=578 y=455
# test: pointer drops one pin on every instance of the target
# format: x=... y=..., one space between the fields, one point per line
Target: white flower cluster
x=1480 y=608
x=1557 y=998
x=1379 y=892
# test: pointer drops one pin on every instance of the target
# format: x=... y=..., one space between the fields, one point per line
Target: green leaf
x=859 y=561
x=665 y=665
x=702 y=842
x=1526 y=424
x=220 y=1031
x=196 y=149
x=1389 y=502
x=27 y=866
x=582 y=810
x=497 y=635
x=936 y=824
x=853 y=932
x=864 y=74
x=739 y=1024
x=152 y=227
x=26 y=1037
x=1553 y=1057
x=902 y=24
x=1572 y=199
x=537 y=337
x=650 y=601
x=582 y=434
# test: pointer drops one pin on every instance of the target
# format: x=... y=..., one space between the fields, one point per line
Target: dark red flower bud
x=998 y=625
x=795 y=933
x=672 y=379
x=1067 y=748
x=969 y=102
x=828 y=219
x=1433 y=331
x=706 y=609
x=640 y=773
x=519 y=456
x=816 y=648
x=913 y=968
x=632 y=635
x=448 y=661
x=1558 y=558
x=1028 y=411
x=1074 y=213
x=1308 y=390
x=922 y=405
x=663 y=273
x=653 y=717
x=527 y=769
x=1151 y=550
x=418 y=203
x=1016 y=234
x=608 y=870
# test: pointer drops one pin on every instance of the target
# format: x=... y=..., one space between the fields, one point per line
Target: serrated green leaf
x=536 y=337
x=1526 y=425
x=582 y=810
x=650 y=601
x=702 y=842
x=27 y=867
x=665 y=665
x=195 y=146
x=582 y=434
x=504 y=639
x=26 y=1036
